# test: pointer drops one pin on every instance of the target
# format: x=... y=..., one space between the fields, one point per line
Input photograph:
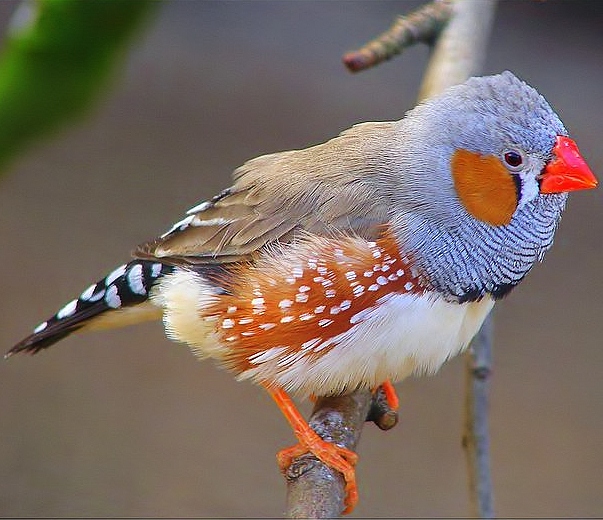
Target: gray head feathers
x=463 y=256
x=486 y=114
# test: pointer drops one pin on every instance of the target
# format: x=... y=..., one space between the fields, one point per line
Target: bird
x=356 y=262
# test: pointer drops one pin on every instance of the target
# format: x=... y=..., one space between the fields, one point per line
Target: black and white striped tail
x=126 y=286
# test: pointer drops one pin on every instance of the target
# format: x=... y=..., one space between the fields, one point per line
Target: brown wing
x=325 y=190
x=225 y=229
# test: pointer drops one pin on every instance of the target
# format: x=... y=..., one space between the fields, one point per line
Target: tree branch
x=460 y=50
x=313 y=489
x=476 y=439
x=423 y=25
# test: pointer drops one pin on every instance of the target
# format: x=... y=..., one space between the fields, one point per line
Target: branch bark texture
x=423 y=25
x=476 y=438
x=315 y=490
x=460 y=50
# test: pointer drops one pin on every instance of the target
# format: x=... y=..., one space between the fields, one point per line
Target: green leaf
x=58 y=56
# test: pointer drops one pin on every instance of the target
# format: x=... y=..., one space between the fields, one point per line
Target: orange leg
x=336 y=457
x=390 y=395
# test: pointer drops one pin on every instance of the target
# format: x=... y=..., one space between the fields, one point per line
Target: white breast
x=405 y=334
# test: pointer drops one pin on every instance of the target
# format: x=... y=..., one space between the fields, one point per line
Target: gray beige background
x=126 y=423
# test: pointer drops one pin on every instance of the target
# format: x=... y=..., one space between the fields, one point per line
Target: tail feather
x=116 y=300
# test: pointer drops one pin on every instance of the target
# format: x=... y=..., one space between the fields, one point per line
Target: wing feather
x=326 y=189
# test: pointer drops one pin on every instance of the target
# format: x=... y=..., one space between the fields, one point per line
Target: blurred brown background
x=126 y=423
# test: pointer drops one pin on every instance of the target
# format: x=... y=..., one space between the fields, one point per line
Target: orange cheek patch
x=484 y=187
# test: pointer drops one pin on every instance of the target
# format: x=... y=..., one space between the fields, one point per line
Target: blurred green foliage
x=56 y=58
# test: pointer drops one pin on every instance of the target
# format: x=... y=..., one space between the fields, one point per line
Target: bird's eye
x=513 y=158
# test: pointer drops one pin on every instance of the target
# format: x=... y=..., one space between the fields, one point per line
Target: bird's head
x=494 y=146
x=479 y=180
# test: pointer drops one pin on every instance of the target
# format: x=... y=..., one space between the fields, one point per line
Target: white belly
x=404 y=335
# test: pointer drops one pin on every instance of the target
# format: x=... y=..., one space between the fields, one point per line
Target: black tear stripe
x=518 y=186
x=128 y=285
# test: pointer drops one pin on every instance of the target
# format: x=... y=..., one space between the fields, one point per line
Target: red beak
x=567 y=170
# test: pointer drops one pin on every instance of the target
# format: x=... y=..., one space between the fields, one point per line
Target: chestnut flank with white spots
x=287 y=308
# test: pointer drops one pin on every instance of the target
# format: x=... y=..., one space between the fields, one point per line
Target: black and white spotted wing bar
x=127 y=286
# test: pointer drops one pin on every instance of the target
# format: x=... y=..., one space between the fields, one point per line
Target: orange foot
x=336 y=457
x=390 y=394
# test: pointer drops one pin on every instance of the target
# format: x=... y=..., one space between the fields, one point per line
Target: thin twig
x=422 y=25
x=476 y=439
